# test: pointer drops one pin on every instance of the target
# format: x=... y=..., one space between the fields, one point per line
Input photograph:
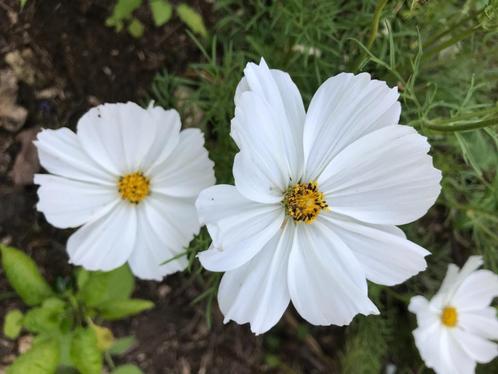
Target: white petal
x=282 y=97
x=60 y=152
x=70 y=203
x=154 y=246
x=254 y=131
x=427 y=340
x=167 y=136
x=455 y=359
x=106 y=243
x=240 y=228
x=252 y=182
x=187 y=170
x=257 y=292
x=117 y=136
x=326 y=283
x=425 y=315
x=454 y=278
x=477 y=348
x=483 y=322
x=476 y=291
x=386 y=177
x=386 y=257
x=345 y=108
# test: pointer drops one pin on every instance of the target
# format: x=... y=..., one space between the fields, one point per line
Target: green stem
x=459 y=37
x=109 y=361
x=373 y=30
x=462 y=127
x=433 y=39
x=375 y=22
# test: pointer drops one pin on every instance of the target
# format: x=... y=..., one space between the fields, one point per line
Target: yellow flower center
x=134 y=187
x=303 y=202
x=449 y=316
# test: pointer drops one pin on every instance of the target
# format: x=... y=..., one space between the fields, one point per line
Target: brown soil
x=71 y=61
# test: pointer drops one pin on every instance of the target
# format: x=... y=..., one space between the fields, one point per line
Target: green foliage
x=127 y=369
x=85 y=354
x=42 y=358
x=62 y=322
x=23 y=276
x=13 y=323
x=192 y=19
x=162 y=12
x=122 y=345
x=100 y=287
x=118 y=309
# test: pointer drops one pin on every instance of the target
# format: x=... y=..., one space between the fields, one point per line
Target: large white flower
x=456 y=326
x=130 y=177
x=311 y=216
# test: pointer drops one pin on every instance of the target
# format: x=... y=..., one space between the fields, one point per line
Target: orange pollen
x=304 y=202
x=134 y=187
x=449 y=316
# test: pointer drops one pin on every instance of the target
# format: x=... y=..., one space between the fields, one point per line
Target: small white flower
x=311 y=216
x=456 y=326
x=130 y=177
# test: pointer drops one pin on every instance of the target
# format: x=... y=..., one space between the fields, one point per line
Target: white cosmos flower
x=311 y=216
x=130 y=178
x=456 y=326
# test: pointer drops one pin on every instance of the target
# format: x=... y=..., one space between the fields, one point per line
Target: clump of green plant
x=66 y=321
x=162 y=12
x=442 y=56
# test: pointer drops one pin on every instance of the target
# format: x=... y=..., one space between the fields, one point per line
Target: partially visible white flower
x=130 y=178
x=456 y=327
x=316 y=199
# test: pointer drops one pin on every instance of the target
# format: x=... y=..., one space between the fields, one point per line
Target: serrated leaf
x=192 y=19
x=127 y=369
x=12 y=324
x=85 y=354
x=161 y=11
x=42 y=358
x=136 y=28
x=118 y=309
x=24 y=277
x=102 y=287
x=45 y=318
x=122 y=345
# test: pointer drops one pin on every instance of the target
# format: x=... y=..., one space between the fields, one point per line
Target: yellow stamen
x=449 y=316
x=134 y=187
x=303 y=202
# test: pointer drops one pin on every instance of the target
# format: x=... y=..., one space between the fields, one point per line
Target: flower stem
x=463 y=126
x=459 y=37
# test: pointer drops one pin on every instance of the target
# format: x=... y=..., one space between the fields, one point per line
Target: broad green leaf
x=118 y=309
x=82 y=277
x=127 y=369
x=102 y=287
x=12 y=324
x=45 y=318
x=85 y=354
x=42 y=358
x=123 y=9
x=122 y=345
x=136 y=28
x=23 y=276
x=192 y=19
x=161 y=11
x=65 y=349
